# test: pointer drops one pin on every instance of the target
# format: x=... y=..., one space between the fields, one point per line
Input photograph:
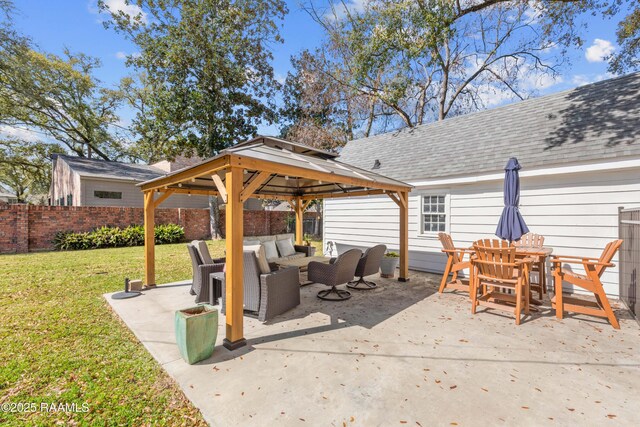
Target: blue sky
x=76 y=25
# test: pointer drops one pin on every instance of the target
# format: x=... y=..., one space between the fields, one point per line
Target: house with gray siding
x=580 y=153
x=79 y=181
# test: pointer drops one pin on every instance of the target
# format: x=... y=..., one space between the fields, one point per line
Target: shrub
x=169 y=233
x=112 y=237
x=133 y=235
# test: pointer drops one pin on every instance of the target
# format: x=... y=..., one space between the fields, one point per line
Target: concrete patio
x=401 y=354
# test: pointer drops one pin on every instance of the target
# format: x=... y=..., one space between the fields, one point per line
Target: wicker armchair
x=369 y=264
x=340 y=270
x=201 y=273
x=203 y=249
x=267 y=295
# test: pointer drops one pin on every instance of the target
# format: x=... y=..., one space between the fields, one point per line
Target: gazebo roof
x=281 y=170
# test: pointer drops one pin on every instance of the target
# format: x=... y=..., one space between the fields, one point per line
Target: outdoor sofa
x=273 y=246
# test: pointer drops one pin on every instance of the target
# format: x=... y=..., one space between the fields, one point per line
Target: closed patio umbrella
x=511 y=226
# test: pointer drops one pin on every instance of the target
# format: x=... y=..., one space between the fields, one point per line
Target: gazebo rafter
x=266 y=168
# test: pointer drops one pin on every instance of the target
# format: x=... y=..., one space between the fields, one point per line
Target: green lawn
x=61 y=343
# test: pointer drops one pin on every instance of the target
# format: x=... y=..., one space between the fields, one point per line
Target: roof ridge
x=516 y=104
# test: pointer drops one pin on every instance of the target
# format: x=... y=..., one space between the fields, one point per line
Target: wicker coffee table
x=303 y=265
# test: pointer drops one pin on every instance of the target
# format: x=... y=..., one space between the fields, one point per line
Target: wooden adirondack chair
x=495 y=271
x=455 y=263
x=532 y=240
x=594 y=268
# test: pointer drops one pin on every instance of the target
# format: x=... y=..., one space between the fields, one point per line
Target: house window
x=69 y=199
x=434 y=213
x=108 y=194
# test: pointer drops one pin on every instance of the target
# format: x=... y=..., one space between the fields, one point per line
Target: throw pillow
x=270 y=250
x=285 y=247
x=263 y=265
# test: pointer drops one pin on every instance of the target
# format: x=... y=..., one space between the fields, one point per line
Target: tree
x=152 y=139
x=315 y=112
x=628 y=34
x=209 y=65
x=418 y=61
x=60 y=98
x=25 y=168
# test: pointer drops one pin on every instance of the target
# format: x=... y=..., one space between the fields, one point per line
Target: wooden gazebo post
x=299 y=208
x=401 y=198
x=404 y=236
x=149 y=240
x=234 y=280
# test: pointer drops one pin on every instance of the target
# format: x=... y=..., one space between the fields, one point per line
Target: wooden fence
x=629 y=231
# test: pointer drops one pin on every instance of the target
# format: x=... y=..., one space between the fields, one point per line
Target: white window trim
x=447 y=212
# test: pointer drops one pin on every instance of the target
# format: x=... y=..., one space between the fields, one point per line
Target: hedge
x=114 y=237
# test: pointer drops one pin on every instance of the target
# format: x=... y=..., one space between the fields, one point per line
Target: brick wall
x=263 y=223
x=25 y=228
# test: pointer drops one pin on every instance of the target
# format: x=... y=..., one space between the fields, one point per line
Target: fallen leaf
x=524 y=407
x=611 y=416
x=452 y=387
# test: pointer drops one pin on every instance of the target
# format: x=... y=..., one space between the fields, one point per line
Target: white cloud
x=599 y=50
x=584 y=79
x=19 y=133
x=123 y=55
x=340 y=9
x=492 y=96
x=537 y=80
x=280 y=78
x=116 y=6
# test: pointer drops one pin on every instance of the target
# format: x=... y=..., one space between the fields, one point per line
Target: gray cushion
x=262 y=259
x=285 y=247
x=270 y=250
x=251 y=242
x=294 y=256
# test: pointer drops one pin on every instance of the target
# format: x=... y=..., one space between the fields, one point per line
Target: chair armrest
x=206 y=269
x=574 y=257
x=526 y=260
x=279 y=292
x=219 y=260
x=304 y=249
x=575 y=260
x=459 y=250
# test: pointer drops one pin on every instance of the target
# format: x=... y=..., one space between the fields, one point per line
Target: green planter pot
x=196 y=332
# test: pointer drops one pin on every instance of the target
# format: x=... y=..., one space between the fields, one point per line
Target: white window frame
x=446 y=213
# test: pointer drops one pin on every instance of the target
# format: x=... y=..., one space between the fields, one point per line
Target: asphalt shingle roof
x=599 y=121
x=112 y=170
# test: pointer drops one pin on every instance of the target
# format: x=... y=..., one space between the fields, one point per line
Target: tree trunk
x=214 y=218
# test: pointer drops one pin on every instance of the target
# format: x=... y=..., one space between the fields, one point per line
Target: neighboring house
x=78 y=181
x=580 y=153
x=8 y=197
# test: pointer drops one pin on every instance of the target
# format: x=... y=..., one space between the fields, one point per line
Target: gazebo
x=267 y=168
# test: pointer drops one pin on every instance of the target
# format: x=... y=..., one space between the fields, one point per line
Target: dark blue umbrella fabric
x=511 y=226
